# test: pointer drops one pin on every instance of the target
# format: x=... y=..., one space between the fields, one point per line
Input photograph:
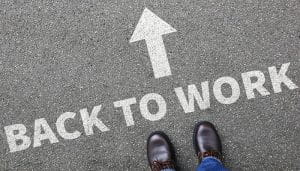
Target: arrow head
x=150 y=26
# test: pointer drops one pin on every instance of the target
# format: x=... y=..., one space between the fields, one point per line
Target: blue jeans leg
x=211 y=164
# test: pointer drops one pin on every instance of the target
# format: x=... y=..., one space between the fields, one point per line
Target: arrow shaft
x=158 y=57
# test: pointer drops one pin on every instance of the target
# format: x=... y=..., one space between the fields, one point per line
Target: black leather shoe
x=160 y=152
x=207 y=141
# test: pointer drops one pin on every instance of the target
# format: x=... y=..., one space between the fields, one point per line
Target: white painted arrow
x=151 y=28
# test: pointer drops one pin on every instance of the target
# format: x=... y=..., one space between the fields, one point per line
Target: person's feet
x=160 y=152
x=207 y=141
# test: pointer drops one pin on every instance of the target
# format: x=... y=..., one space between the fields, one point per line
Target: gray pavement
x=60 y=56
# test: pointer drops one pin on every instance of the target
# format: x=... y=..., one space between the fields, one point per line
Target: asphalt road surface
x=63 y=56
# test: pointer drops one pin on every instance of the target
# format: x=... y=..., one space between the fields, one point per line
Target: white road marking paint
x=277 y=78
x=60 y=125
x=159 y=100
x=125 y=104
x=151 y=28
x=16 y=133
x=42 y=131
x=89 y=121
x=193 y=94
x=256 y=85
x=235 y=90
x=18 y=138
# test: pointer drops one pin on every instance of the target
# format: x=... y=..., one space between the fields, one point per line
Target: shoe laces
x=159 y=165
